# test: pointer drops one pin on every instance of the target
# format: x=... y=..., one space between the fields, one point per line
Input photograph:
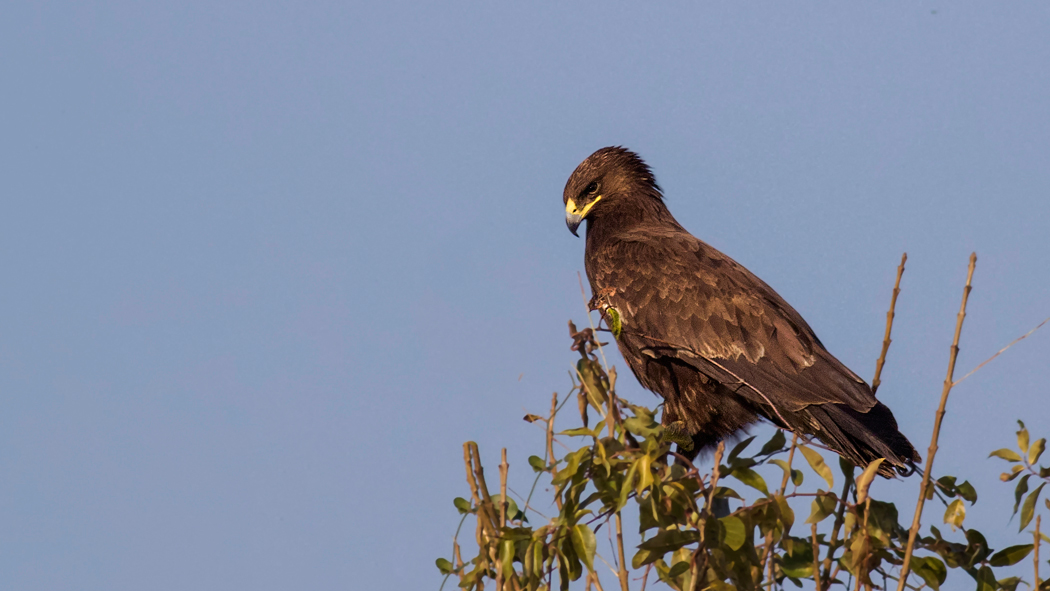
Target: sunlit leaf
x=533 y=418
x=955 y=514
x=444 y=566
x=865 y=479
x=1035 y=451
x=1028 y=508
x=736 y=532
x=584 y=543
x=822 y=506
x=625 y=490
x=817 y=463
x=787 y=515
x=1006 y=454
x=462 y=505
x=751 y=478
x=537 y=463
x=506 y=557
x=1011 y=555
x=1022 y=438
x=578 y=432
x=645 y=473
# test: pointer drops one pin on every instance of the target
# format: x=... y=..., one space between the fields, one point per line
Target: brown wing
x=682 y=298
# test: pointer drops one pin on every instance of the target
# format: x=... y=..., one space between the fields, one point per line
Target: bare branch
x=938 y=418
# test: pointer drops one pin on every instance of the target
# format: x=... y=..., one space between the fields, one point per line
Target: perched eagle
x=718 y=344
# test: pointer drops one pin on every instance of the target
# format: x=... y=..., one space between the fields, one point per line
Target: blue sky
x=267 y=265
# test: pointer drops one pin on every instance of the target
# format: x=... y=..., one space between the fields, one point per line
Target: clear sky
x=267 y=265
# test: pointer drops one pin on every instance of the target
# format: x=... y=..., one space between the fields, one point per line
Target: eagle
x=717 y=343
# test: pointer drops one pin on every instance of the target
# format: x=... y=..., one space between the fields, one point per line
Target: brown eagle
x=718 y=344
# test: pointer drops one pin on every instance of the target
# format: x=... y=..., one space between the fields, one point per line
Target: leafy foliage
x=720 y=528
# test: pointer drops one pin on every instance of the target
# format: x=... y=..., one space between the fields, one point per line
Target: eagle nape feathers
x=719 y=345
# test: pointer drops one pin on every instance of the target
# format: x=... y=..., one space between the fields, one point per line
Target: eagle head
x=606 y=176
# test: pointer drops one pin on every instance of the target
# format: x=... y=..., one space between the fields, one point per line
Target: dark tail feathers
x=865 y=437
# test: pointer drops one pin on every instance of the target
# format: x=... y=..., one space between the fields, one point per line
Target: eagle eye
x=591 y=188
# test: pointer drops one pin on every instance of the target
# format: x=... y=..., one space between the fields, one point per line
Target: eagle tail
x=863 y=437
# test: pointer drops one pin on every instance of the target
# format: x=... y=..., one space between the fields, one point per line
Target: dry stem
x=550 y=443
x=889 y=326
x=619 y=549
x=767 y=564
x=938 y=418
x=1035 y=559
x=816 y=558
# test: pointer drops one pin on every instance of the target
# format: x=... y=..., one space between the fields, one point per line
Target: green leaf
x=584 y=543
x=626 y=488
x=1035 y=451
x=1015 y=471
x=1011 y=555
x=578 y=432
x=931 y=569
x=1022 y=437
x=775 y=443
x=822 y=506
x=645 y=473
x=967 y=492
x=787 y=515
x=1022 y=488
x=670 y=540
x=817 y=463
x=1028 y=509
x=537 y=463
x=444 y=566
x=641 y=426
x=739 y=448
x=677 y=570
x=1006 y=454
x=751 y=478
x=986 y=579
x=615 y=322
x=865 y=479
x=506 y=557
x=736 y=532
x=955 y=514
x=462 y=505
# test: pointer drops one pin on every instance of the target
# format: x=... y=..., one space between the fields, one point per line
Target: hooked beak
x=574 y=216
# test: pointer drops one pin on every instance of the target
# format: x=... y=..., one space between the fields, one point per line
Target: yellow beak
x=574 y=216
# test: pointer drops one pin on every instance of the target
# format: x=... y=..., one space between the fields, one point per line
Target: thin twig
x=840 y=517
x=816 y=558
x=715 y=474
x=1035 y=559
x=503 y=467
x=645 y=579
x=550 y=443
x=862 y=571
x=1001 y=351
x=624 y=585
x=889 y=326
x=767 y=563
x=938 y=418
x=583 y=295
